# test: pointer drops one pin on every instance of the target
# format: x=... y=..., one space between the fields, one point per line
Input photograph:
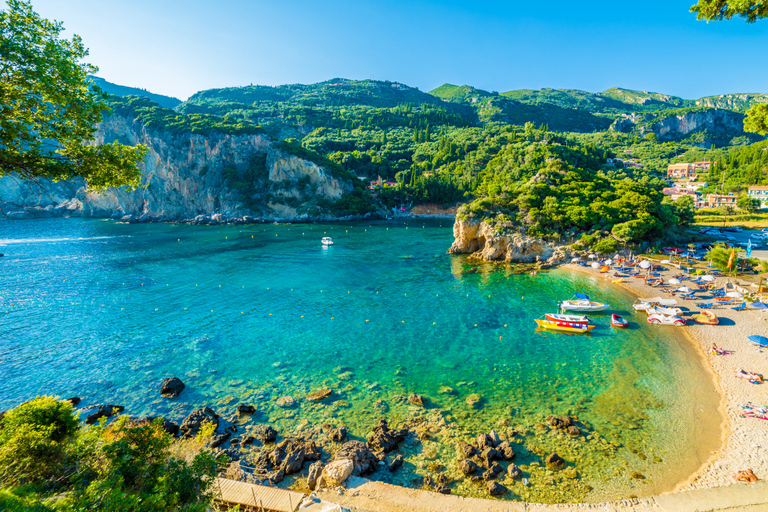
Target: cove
x=253 y=313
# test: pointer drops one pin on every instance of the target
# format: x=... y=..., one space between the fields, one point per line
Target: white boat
x=646 y=304
x=581 y=302
x=574 y=319
x=659 y=310
x=326 y=240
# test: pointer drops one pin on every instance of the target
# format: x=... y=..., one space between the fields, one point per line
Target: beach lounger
x=704 y=305
x=740 y=307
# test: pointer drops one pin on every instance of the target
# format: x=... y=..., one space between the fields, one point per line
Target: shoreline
x=738 y=434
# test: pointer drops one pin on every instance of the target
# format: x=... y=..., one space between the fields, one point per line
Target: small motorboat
x=326 y=240
x=706 y=317
x=618 y=321
x=571 y=327
x=557 y=317
x=581 y=302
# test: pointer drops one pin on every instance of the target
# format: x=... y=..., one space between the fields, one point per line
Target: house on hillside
x=686 y=170
x=677 y=193
x=759 y=193
x=716 y=200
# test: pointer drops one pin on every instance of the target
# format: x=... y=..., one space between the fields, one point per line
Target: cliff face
x=719 y=124
x=480 y=240
x=184 y=176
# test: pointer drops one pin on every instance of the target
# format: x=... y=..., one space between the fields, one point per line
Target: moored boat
x=618 y=321
x=581 y=302
x=571 y=327
x=557 y=317
x=326 y=240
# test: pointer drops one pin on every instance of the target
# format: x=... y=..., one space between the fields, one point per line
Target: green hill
x=122 y=90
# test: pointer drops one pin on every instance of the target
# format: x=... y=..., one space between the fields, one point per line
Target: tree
x=49 y=107
x=747 y=204
x=751 y=11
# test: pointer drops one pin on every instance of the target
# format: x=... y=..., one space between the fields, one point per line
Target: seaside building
x=759 y=193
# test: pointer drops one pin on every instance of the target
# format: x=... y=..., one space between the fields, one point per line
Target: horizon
x=178 y=49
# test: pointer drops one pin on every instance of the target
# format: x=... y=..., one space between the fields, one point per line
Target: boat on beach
x=706 y=317
x=581 y=302
x=646 y=304
x=572 y=327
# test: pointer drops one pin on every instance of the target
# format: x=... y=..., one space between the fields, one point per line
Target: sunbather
x=752 y=377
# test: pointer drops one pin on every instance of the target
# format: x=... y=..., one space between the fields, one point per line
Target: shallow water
x=105 y=311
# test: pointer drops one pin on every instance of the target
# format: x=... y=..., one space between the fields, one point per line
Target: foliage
x=757 y=119
x=49 y=107
x=126 y=466
x=750 y=10
x=122 y=90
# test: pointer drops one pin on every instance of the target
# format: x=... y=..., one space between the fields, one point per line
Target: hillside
x=122 y=90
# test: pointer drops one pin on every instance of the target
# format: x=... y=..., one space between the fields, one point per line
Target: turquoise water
x=105 y=311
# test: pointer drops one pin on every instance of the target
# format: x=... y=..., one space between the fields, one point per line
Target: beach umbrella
x=735 y=295
x=645 y=264
x=592 y=256
x=708 y=278
x=684 y=289
x=674 y=281
x=609 y=262
x=575 y=260
x=595 y=264
x=762 y=341
x=616 y=255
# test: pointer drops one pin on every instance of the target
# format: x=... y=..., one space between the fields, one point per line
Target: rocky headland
x=485 y=240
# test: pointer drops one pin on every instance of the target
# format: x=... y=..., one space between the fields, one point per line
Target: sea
x=252 y=313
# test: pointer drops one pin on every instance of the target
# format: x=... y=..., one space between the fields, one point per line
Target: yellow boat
x=573 y=327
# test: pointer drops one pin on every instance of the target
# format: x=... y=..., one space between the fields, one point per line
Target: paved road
x=761 y=252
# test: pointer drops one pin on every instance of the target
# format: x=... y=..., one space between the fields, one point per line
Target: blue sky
x=180 y=47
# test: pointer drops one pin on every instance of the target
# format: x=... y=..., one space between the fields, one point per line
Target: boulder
x=506 y=452
x=396 y=463
x=337 y=472
x=494 y=438
x=73 y=400
x=416 y=400
x=265 y=433
x=496 y=489
x=246 y=409
x=484 y=441
x=554 y=461
x=467 y=450
x=442 y=489
x=315 y=470
x=293 y=461
x=276 y=457
x=171 y=387
x=194 y=422
x=104 y=411
x=219 y=439
x=488 y=455
x=467 y=467
x=574 y=430
x=561 y=422
x=275 y=477
x=513 y=471
x=358 y=452
x=384 y=439
x=248 y=440
x=320 y=394
x=311 y=451
x=338 y=435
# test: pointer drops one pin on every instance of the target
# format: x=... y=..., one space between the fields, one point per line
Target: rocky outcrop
x=195 y=421
x=172 y=387
x=482 y=240
x=185 y=176
x=717 y=122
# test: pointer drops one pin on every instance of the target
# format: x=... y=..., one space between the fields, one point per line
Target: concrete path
x=363 y=495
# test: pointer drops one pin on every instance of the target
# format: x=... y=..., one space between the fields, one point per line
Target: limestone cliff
x=483 y=240
x=186 y=176
x=720 y=125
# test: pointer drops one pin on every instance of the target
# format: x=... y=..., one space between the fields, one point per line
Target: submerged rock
x=514 y=472
x=396 y=463
x=320 y=394
x=385 y=439
x=172 y=387
x=73 y=400
x=265 y=433
x=246 y=409
x=338 y=435
x=286 y=402
x=496 y=489
x=416 y=400
x=554 y=461
x=467 y=467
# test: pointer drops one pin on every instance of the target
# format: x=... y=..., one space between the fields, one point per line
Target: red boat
x=618 y=321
